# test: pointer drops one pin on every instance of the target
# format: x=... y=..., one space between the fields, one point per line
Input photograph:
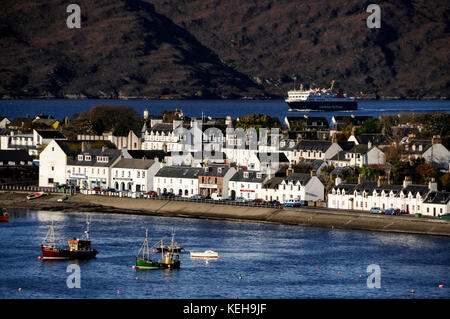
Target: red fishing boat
x=78 y=248
x=4 y=216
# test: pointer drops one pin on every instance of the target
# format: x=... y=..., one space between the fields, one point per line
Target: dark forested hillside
x=223 y=49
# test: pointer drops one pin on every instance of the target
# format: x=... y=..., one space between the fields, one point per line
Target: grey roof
x=313 y=145
x=414 y=189
x=252 y=177
x=266 y=157
x=134 y=163
x=14 y=156
x=179 y=171
x=340 y=156
x=273 y=183
x=298 y=177
x=369 y=187
x=72 y=148
x=148 y=154
x=213 y=170
x=112 y=154
x=376 y=139
x=346 y=146
x=349 y=188
x=55 y=134
x=437 y=198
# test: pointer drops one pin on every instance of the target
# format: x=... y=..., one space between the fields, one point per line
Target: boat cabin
x=79 y=244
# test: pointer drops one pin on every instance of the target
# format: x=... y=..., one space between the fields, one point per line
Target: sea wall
x=316 y=217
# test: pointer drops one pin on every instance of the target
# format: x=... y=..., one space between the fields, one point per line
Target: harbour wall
x=315 y=217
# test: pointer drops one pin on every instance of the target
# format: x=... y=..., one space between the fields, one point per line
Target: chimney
x=337 y=181
x=379 y=181
x=83 y=147
x=432 y=185
x=369 y=144
x=313 y=173
x=359 y=178
x=436 y=139
x=406 y=182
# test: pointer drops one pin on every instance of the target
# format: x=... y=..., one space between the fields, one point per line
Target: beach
x=315 y=217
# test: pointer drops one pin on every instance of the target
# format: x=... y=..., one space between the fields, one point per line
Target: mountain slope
x=314 y=42
x=123 y=48
x=223 y=48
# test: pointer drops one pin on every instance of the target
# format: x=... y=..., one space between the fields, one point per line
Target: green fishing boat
x=169 y=257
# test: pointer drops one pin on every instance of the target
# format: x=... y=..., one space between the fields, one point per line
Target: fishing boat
x=169 y=257
x=4 y=216
x=36 y=195
x=205 y=254
x=78 y=248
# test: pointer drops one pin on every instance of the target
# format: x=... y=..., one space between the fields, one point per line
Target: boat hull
x=147 y=264
x=299 y=106
x=54 y=253
x=35 y=195
x=4 y=219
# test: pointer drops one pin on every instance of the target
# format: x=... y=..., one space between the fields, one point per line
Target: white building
x=53 y=163
x=361 y=155
x=182 y=180
x=135 y=175
x=91 y=168
x=365 y=195
x=302 y=187
x=246 y=184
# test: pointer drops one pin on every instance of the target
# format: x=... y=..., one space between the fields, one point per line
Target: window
x=138 y=174
x=143 y=174
x=53 y=168
x=80 y=157
x=50 y=180
x=87 y=157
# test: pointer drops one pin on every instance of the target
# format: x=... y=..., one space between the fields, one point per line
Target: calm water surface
x=274 y=261
x=216 y=108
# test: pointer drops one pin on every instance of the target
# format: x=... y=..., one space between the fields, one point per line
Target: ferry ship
x=320 y=100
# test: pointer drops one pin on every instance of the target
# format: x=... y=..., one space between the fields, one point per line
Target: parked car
x=151 y=194
x=445 y=216
x=112 y=190
x=274 y=202
x=240 y=199
x=403 y=212
x=168 y=194
x=258 y=201
x=217 y=196
x=391 y=211
x=376 y=210
x=97 y=189
x=294 y=203
x=197 y=196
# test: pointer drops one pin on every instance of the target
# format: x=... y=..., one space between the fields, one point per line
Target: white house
x=182 y=180
x=53 y=163
x=134 y=175
x=439 y=155
x=359 y=156
x=91 y=168
x=298 y=186
x=365 y=195
x=246 y=184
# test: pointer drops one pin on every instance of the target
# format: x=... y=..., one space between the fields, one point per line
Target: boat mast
x=88 y=222
x=50 y=237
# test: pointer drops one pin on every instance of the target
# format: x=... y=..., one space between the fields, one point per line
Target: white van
x=216 y=196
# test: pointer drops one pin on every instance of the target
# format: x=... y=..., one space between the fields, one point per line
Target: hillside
x=223 y=49
x=123 y=48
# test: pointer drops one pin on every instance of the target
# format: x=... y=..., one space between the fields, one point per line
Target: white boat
x=205 y=254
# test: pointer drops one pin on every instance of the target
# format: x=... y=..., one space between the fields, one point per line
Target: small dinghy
x=205 y=254
x=35 y=195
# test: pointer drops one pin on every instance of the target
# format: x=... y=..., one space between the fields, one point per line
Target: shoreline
x=307 y=217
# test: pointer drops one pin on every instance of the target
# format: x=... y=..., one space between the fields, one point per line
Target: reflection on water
x=256 y=260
